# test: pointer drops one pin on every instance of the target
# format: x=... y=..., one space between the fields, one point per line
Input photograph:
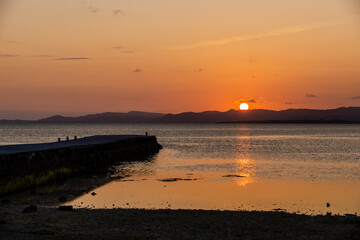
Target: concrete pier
x=93 y=152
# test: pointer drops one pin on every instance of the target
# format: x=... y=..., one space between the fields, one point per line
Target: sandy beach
x=50 y=223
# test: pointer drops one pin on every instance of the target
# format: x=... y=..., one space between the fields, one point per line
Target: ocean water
x=292 y=167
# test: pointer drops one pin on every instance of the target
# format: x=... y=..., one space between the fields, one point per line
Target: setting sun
x=244 y=106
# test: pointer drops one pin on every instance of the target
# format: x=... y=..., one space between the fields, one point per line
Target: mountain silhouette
x=338 y=115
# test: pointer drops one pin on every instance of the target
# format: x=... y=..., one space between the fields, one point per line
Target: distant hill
x=108 y=117
x=339 y=115
x=351 y=114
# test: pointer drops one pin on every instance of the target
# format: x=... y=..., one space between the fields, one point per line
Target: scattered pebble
x=93 y=193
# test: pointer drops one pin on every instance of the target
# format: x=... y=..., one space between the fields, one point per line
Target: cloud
x=72 y=58
x=309 y=95
x=355 y=98
x=274 y=33
x=42 y=56
x=180 y=70
x=251 y=59
x=93 y=9
x=137 y=70
x=118 y=12
x=8 y=55
x=289 y=103
x=250 y=100
x=123 y=49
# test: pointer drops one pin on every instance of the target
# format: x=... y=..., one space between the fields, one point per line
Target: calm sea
x=298 y=168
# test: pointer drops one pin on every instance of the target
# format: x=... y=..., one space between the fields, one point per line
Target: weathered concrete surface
x=86 y=153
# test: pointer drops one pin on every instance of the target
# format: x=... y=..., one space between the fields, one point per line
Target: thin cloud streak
x=275 y=33
x=310 y=95
x=8 y=55
x=75 y=58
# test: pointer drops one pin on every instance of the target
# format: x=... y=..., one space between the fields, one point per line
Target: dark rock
x=278 y=209
x=232 y=175
x=5 y=201
x=66 y=208
x=62 y=199
x=93 y=193
x=29 y=209
x=177 y=179
x=327 y=204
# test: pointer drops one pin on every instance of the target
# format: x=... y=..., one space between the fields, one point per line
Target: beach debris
x=29 y=209
x=62 y=199
x=176 y=179
x=233 y=175
x=66 y=208
x=327 y=204
x=93 y=193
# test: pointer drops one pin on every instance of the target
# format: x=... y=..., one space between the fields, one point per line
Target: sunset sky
x=86 y=56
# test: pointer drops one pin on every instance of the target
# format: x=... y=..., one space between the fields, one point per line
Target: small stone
x=66 y=208
x=93 y=193
x=327 y=204
x=29 y=209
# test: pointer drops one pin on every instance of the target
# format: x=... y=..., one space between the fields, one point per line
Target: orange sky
x=82 y=56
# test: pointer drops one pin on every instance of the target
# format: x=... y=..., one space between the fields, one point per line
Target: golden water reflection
x=245 y=166
x=246 y=169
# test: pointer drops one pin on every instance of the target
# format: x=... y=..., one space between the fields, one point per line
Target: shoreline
x=84 y=223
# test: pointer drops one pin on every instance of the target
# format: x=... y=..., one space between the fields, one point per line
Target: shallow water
x=299 y=168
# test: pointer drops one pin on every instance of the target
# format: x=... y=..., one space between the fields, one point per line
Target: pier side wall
x=89 y=157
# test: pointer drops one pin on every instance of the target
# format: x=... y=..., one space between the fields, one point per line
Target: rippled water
x=316 y=163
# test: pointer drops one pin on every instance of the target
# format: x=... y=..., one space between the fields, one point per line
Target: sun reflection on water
x=245 y=166
x=246 y=169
